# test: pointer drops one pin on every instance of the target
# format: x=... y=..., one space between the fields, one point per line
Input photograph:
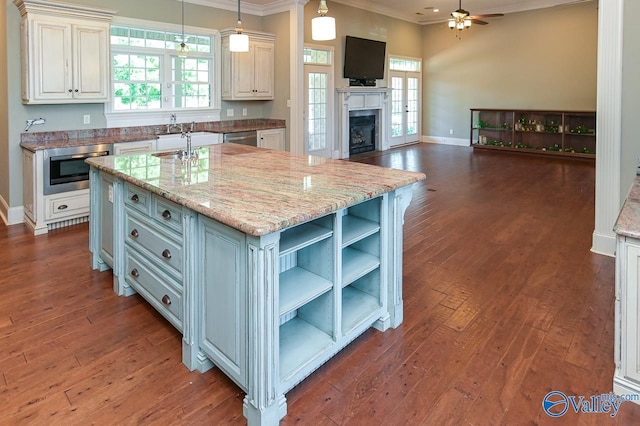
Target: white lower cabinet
x=627 y=324
x=271 y=139
x=135 y=147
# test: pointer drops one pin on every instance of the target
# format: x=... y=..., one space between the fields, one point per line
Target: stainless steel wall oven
x=65 y=169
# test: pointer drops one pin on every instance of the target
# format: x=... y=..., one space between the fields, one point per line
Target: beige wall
x=630 y=147
x=542 y=59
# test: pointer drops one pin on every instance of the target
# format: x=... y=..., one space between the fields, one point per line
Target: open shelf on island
x=299 y=286
x=302 y=236
x=357 y=306
x=356 y=263
x=300 y=342
x=355 y=228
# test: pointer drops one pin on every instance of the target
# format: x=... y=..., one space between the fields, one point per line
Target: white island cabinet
x=626 y=378
x=266 y=278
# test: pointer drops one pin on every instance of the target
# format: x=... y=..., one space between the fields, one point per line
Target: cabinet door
x=631 y=333
x=263 y=70
x=243 y=73
x=51 y=61
x=222 y=284
x=90 y=71
x=271 y=139
x=28 y=183
x=134 y=147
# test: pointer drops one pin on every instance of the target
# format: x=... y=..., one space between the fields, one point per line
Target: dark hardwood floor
x=503 y=302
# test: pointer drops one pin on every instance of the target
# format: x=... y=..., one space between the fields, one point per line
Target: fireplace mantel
x=363 y=99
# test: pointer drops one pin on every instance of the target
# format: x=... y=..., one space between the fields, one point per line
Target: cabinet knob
x=135 y=273
x=134 y=233
x=166 y=254
x=166 y=300
x=70 y=90
x=135 y=198
x=76 y=90
x=166 y=214
x=63 y=207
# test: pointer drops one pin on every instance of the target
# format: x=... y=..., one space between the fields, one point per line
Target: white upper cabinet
x=248 y=75
x=65 y=53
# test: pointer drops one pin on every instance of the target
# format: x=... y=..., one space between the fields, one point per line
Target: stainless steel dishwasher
x=243 y=138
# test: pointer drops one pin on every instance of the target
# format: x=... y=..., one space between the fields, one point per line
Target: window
x=149 y=80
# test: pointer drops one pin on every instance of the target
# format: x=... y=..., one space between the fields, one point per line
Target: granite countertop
x=628 y=223
x=59 y=139
x=257 y=191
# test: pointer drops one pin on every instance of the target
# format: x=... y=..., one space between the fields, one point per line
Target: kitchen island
x=268 y=263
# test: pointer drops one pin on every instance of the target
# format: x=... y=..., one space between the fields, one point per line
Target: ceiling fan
x=461 y=19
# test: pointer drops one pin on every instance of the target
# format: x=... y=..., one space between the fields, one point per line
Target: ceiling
x=418 y=11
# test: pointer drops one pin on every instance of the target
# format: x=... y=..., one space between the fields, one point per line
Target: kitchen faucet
x=172 y=124
x=189 y=153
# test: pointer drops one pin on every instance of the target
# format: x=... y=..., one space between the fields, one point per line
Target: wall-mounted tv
x=363 y=61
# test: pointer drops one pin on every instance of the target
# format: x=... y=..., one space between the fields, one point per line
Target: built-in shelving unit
x=558 y=133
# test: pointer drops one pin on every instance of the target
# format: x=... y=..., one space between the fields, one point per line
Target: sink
x=175 y=140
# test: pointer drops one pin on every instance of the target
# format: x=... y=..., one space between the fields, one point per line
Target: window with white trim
x=148 y=76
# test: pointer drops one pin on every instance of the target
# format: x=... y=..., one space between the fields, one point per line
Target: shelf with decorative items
x=544 y=132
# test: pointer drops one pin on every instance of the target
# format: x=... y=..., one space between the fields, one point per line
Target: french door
x=405 y=107
x=318 y=113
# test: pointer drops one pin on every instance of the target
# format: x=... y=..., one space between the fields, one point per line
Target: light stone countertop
x=257 y=191
x=628 y=223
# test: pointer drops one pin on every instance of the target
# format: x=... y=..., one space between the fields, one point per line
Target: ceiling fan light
x=452 y=23
x=460 y=26
x=467 y=23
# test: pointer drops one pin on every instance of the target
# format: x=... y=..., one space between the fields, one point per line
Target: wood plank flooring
x=503 y=303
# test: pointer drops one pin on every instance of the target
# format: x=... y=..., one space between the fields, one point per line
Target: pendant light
x=323 y=27
x=183 y=49
x=239 y=42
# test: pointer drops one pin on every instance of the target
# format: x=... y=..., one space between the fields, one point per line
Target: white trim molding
x=608 y=125
x=445 y=141
x=10 y=215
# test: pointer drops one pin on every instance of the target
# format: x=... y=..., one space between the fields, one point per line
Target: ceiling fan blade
x=488 y=15
x=478 y=22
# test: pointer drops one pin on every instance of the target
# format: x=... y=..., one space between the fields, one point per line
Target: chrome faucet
x=172 y=124
x=189 y=153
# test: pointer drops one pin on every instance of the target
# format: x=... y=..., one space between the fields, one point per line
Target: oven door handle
x=78 y=156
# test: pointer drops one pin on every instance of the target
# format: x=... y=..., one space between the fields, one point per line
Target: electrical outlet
x=230 y=112
x=86 y=119
x=450 y=131
x=244 y=112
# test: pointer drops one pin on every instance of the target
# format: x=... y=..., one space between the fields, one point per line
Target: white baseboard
x=445 y=141
x=10 y=215
x=603 y=244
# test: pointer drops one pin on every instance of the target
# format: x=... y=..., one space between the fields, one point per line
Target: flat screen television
x=363 y=61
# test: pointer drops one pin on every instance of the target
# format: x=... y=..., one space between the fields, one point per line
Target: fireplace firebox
x=362 y=134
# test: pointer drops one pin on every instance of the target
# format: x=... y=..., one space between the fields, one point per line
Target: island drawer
x=156 y=287
x=167 y=213
x=137 y=198
x=160 y=247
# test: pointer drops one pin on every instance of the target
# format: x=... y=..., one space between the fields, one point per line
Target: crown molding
x=267 y=7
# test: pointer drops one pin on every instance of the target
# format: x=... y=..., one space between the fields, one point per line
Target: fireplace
x=363 y=122
x=362 y=132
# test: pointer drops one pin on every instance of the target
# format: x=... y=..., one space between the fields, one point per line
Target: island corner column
x=264 y=403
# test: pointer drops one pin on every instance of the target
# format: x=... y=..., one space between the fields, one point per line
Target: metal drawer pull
x=62 y=206
x=134 y=233
x=135 y=198
x=166 y=214
x=166 y=300
x=166 y=254
x=135 y=273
